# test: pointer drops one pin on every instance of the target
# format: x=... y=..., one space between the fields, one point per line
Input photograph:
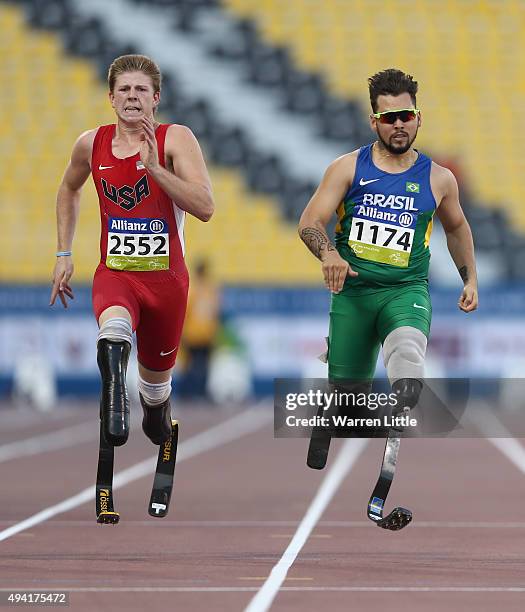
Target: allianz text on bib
x=138 y=245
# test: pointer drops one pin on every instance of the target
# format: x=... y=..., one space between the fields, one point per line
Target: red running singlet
x=142 y=264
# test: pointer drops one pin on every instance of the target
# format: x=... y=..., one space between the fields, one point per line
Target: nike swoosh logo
x=163 y=354
x=104 y=167
x=418 y=306
x=362 y=182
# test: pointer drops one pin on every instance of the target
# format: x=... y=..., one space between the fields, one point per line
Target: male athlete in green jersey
x=385 y=195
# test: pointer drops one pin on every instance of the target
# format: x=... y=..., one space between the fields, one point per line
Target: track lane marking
x=288 y=535
x=507 y=444
x=288 y=578
x=55 y=440
x=227 y=431
x=344 y=462
x=512 y=449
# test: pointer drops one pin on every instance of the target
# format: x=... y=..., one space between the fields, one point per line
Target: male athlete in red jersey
x=147 y=176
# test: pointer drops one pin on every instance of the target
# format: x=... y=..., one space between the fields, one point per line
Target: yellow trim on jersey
x=428 y=232
x=340 y=214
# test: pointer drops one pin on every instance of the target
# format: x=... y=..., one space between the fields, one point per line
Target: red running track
x=235 y=509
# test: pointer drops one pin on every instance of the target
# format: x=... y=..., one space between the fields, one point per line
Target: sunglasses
x=405 y=114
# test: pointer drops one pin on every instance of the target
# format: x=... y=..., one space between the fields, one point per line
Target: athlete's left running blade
x=163 y=482
x=399 y=517
x=319 y=445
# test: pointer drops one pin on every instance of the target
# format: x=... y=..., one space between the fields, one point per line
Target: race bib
x=138 y=245
x=381 y=236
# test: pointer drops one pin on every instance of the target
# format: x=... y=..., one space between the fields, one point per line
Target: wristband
x=64 y=253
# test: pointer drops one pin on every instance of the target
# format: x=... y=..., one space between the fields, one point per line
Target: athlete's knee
x=116 y=329
x=154 y=393
x=113 y=312
x=404 y=353
x=154 y=376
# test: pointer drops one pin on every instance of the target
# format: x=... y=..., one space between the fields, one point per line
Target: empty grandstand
x=274 y=92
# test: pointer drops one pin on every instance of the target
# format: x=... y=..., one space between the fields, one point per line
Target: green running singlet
x=383 y=231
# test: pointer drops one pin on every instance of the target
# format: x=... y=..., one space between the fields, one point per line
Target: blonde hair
x=134 y=63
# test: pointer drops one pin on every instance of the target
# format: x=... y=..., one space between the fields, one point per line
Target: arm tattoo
x=316 y=240
x=463 y=272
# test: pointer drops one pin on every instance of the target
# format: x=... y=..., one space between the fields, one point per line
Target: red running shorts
x=157 y=306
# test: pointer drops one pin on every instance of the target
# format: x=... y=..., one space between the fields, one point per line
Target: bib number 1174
x=381 y=242
x=383 y=235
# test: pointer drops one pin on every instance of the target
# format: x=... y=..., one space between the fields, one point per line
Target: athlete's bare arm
x=68 y=201
x=186 y=181
x=316 y=216
x=459 y=235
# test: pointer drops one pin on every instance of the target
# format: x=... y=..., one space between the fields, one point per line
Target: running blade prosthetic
x=319 y=445
x=106 y=514
x=399 y=517
x=163 y=482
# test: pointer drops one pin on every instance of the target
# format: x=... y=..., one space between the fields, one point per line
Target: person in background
x=200 y=330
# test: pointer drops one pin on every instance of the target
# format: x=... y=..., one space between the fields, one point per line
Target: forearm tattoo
x=463 y=272
x=316 y=240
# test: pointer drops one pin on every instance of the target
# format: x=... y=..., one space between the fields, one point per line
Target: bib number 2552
x=138 y=245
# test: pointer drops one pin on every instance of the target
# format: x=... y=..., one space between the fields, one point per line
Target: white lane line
x=489 y=424
x=512 y=449
x=239 y=589
x=343 y=464
x=55 y=440
x=236 y=427
x=64 y=438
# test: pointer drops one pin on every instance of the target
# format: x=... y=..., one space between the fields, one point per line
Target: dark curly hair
x=391 y=82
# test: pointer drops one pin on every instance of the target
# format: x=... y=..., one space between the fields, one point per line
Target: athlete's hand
x=335 y=270
x=61 y=275
x=149 y=153
x=468 y=300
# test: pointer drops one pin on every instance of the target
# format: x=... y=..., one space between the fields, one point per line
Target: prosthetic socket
x=156 y=423
x=112 y=359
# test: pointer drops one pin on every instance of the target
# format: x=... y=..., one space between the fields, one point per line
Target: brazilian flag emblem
x=412 y=187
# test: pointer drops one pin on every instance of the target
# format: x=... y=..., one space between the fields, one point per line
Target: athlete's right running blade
x=106 y=514
x=397 y=519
